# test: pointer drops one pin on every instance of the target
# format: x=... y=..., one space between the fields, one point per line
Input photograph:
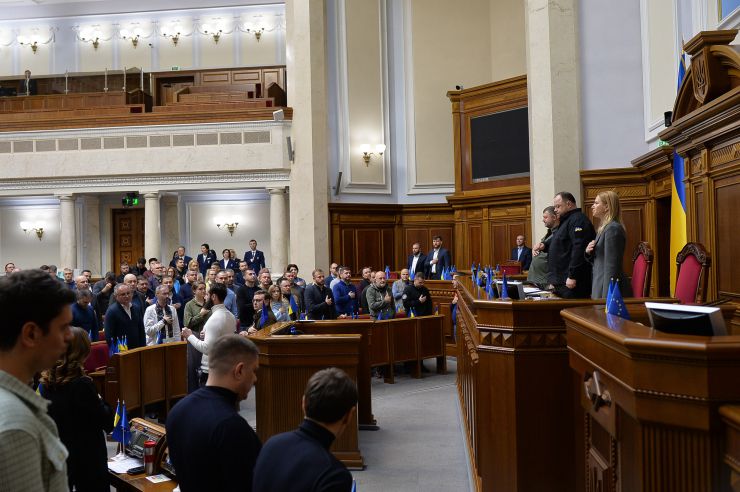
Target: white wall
x=25 y=250
x=611 y=83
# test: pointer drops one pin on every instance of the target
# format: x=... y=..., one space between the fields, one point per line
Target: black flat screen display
x=500 y=145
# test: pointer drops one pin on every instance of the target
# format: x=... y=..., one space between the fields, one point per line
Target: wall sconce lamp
x=24 y=41
x=209 y=31
x=134 y=40
x=366 y=154
x=29 y=227
x=95 y=42
x=257 y=32
x=227 y=226
x=174 y=37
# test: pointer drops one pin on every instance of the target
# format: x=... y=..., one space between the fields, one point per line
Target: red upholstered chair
x=393 y=276
x=400 y=314
x=98 y=357
x=642 y=262
x=691 y=275
x=511 y=267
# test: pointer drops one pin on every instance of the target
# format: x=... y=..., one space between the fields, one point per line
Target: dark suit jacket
x=444 y=261
x=419 y=264
x=118 y=325
x=187 y=259
x=526 y=258
x=316 y=306
x=311 y=465
x=227 y=264
x=257 y=263
x=204 y=261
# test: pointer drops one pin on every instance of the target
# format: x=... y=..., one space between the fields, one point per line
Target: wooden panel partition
x=70 y=101
x=516 y=392
x=731 y=417
x=146 y=375
x=286 y=364
x=382 y=344
x=651 y=419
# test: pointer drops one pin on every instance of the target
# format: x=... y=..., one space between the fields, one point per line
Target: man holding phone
x=160 y=319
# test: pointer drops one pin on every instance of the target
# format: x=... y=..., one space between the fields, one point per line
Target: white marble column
x=170 y=226
x=554 y=109
x=68 y=234
x=91 y=236
x=306 y=71
x=278 y=230
x=152 y=231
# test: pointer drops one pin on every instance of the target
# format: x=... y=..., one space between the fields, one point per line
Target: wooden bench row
x=63 y=114
x=215 y=106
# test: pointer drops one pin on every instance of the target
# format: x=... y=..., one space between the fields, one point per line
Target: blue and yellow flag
x=125 y=342
x=411 y=313
x=117 y=416
x=292 y=307
x=265 y=316
x=678 y=198
x=121 y=432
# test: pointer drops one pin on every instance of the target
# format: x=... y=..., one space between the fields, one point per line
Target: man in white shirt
x=160 y=319
x=437 y=260
x=415 y=263
x=221 y=323
x=34 y=335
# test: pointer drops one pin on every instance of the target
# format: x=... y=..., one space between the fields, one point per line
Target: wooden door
x=128 y=236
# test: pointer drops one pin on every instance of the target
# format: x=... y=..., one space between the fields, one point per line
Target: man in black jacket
x=123 y=319
x=300 y=460
x=319 y=298
x=211 y=446
x=417 y=297
x=568 y=271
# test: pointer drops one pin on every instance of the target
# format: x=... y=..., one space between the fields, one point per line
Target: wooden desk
x=731 y=417
x=123 y=482
x=516 y=392
x=657 y=426
x=286 y=364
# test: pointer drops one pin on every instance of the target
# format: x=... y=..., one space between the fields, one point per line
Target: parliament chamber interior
x=348 y=133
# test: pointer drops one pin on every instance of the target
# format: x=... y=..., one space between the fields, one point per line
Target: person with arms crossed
x=329 y=405
x=37 y=311
x=211 y=446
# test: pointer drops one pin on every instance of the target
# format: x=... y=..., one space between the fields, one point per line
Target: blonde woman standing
x=607 y=250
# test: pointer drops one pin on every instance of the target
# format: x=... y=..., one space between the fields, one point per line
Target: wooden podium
x=286 y=362
x=516 y=392
x=650 y=402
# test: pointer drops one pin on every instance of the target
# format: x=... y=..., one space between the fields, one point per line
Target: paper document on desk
x=121 y=466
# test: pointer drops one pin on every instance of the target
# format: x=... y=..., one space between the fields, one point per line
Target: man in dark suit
x=437 y=260
x=329 y=404
x=319 y=298
x=415 y=263
x=522 y=253
x=255 y=258
x=28 y=87
x=205 y=258
x=123 y=319
x=180 y=255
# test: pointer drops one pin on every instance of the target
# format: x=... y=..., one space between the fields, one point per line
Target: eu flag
x=387 y=272
x=504 y=288
x=609 y=295
x=616 y=304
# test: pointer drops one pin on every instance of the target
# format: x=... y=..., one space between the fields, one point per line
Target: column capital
x=276 y=190
x=150 y=195
x=65 y=197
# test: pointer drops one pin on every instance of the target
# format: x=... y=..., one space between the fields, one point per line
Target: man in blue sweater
x=345 y=293
x=300 y=460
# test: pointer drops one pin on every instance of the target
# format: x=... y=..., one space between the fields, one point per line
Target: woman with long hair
x=81 y=415
x=278 y=304
x=607 y=250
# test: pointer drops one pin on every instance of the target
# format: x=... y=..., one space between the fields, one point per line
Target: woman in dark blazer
x=607 y=250
x=82 y=417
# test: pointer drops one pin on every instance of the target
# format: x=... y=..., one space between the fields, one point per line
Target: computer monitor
x=515 y=289
x=680 y=319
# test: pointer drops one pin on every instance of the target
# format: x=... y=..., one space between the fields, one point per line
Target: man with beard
x=319 y=299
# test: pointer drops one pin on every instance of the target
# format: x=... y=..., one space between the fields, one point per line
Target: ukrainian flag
x=678 y=198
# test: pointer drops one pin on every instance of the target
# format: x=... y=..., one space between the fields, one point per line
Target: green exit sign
x=175 y=68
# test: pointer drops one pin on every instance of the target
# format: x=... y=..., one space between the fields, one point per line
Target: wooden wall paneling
x=386 y=249
x=500 y=243
x=220 y=78
x=369 y=247
x=241 y=76
x=475 y=247
x=727 y=193
x=128 y=236
x=632 y=219
x=416 y=235
x=348 y=256
x=276 y=75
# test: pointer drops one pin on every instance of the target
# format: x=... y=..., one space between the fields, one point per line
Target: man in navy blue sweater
x=345 y=293
x=300 y=460
x=211 y=446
